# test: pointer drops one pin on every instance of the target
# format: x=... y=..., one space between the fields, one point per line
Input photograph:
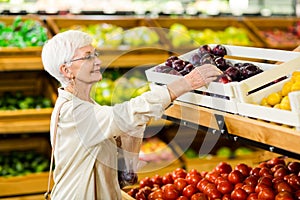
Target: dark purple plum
x=239 y=65
x=206 y=59
x=172 y=58
x=229 y=64
x=221 y=63
x=219 y=50
x=204 y=49
x=174 y=72
x=162 y=68
x=233 y=72
x=224 y=78
x=127 y=178
x=178 y=65
x=249 y=70
x=195 y=59
x=166 y=70
x=186 y=62
x=184 y=72
x=189 y=67
x=169 y=63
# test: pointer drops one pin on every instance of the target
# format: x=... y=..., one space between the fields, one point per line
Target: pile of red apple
x=289 y=36
x=207 y=55
x=274 y=179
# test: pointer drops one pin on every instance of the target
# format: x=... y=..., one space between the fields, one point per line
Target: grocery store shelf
x=109 y=59
x=132 y=58
x=31 y=119
x=26 y=121
x=31 y=184
x=271 y=135
x=28 y=184
x=21 y=63
x=264 y=132
x=190 y=115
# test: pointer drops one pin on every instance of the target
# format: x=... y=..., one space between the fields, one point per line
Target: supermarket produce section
x=252 y=108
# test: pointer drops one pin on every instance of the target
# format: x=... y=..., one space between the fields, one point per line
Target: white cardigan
x=85 y=148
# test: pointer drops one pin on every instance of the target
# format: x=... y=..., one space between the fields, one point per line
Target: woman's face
x=85 y=65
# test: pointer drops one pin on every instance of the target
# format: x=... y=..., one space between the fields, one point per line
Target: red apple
x=223 y=167
x=239 y=194
x=266 y=194
x=189 y=190
x=235 y=177
x=225 y=187
x=180 y=183
x=243 y=168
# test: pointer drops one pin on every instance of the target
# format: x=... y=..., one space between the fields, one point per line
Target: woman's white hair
x=61 y=49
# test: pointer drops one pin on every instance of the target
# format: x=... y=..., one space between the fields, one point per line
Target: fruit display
x=280 y=37
x=120 y=88
x=155 y=150
x=221 y=152
x=18 y=100
x=289 y=36
x=280 y=99
x=207 y=55
x=180 y=36
x=273 y=179
x=113 y=36
x=18 y=163
x=226 y=152
x=22 y=33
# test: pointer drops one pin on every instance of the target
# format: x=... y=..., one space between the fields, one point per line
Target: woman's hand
x=202 y=75
x=197 y=78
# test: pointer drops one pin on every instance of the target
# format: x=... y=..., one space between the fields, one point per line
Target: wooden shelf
x=27 y=120
x=266 y=133
x=30 y=184
x=26 y=197
x=22 y=185
x=21 y=63
x=136 y=58
x=120 y=60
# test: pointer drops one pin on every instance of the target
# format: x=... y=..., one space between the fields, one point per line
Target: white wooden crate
x=225 y=97
x=254 y=110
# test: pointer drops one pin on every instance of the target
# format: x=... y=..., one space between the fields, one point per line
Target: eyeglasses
x=88 y=57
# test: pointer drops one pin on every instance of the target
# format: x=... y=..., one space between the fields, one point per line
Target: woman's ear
x=65 y=71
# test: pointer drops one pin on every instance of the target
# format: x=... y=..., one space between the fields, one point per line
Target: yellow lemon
x=285 y=103
x=264 y=102
x=296 y=76
x=286 y=88
x=277 y=106
x=295 y=86
x=279 y=93
x=274 y=98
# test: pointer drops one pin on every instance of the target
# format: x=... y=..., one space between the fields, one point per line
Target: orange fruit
x=274 y=98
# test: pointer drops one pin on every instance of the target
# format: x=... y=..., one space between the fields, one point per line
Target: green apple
x=224 y=152
x=242 y=151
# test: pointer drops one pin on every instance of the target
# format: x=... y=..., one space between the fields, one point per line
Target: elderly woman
x=85 y=146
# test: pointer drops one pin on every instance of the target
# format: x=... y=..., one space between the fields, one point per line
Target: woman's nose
x=97 y=61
